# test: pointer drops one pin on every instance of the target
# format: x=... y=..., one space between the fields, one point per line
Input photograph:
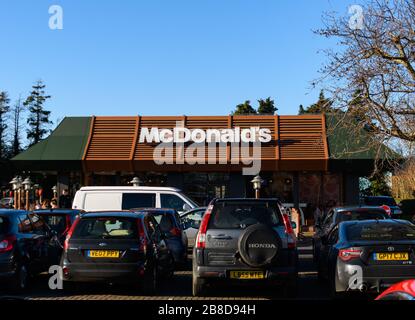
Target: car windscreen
x=106 y=228
x=4 y=225
x=239 y=215
x=380 y=232
x=57 y=223
x=380 y=201
x=361 y=214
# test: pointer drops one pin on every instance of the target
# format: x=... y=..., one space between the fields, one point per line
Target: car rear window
x=106 y=228
x=239 y=215
x=374 y=201
x=360 y=214
x=380 y=231
x=4 y=225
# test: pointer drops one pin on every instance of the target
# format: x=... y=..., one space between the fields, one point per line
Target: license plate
x=103 y=254
x=391 y=256
x=247 y=275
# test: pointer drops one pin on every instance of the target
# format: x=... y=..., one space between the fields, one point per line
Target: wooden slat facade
x=298 y=142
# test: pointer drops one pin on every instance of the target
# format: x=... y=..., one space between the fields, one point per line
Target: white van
x=125 y=198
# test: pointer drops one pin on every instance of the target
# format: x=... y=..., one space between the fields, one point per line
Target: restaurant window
x=203 y=187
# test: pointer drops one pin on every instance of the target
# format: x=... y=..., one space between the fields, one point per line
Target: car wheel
x=334 y=294
x=320 y=274
x=151 y=281
x=291 y=289
x=315 y=253
x=21 y=279
x=69 y=286
x=198 y=286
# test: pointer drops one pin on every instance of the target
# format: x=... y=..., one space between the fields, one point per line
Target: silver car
x=245 y=241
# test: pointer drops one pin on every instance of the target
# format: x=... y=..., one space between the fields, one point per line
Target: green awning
x=67 y=142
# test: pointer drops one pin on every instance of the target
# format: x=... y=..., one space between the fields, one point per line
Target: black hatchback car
x=340 y=214
x=245 y=241
x=27 y=247
x=116 y=247
x=368 y=255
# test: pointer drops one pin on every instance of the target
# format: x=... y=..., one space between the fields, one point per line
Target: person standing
x=54 y=204
x=65 y=201
x=45 y=204
x=295 y=216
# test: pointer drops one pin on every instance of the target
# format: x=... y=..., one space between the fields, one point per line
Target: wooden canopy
x=298 y=142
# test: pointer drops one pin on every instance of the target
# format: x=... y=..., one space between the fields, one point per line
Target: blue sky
x=164 y=57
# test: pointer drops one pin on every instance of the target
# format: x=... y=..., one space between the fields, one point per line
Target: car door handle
x=222 y=237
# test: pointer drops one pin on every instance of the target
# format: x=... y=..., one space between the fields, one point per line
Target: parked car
x=340 y=214
x=408 y=207
x=116 y=247
x=404 y=290
x=383 y=201
x=245 y=241
x=380 y=251
x=59 y=220
x=171 y=226
x=126 y=198
x=191 y=222
x=7 y=203
x=26 y=247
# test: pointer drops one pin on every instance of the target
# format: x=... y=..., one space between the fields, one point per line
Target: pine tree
x=323 y=105
x=267 y=106
x=301 y=109
x=16 y=115
x=4 y=110
x=244 y=109
x=38 y=119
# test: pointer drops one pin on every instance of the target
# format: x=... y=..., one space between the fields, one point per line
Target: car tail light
x=291 y=240
x=201 y=235
x=387 y=209
x=68 y=224
x=65 y=271
x=176 y=232
x=287 y=222
x=69 y=235
x=142 y=236
x=349 y=254
x=7 y=243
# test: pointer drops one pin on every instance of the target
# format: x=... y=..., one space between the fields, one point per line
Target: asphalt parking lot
x=179 y=288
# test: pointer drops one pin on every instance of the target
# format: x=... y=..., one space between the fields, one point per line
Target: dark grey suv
x=245 y=241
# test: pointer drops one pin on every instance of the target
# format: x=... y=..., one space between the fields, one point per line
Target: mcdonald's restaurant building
x=303 y=159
